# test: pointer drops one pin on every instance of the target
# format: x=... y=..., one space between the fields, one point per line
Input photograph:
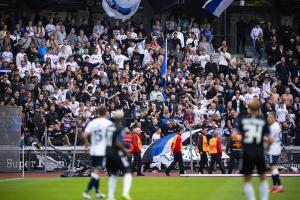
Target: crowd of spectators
x=59 y=71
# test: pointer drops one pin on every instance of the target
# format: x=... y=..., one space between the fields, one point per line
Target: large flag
x=163 y=71
x=217 y=7
x=120 y=9
x=162 y=146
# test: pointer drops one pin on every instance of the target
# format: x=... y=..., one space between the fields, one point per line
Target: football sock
x=127 y=183
x=276 y=177
x=264 y=190
x=91 y=183
x=112 y=183
x=97 y=181
x=249 y=191
x=278 y=180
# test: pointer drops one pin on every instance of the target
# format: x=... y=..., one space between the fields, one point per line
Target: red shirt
x=128 y=140
x=177 y=143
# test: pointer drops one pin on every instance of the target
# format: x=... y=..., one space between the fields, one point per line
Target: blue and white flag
x=121 y=9
x=163 y=71
x=162 y=146
x=217 y=7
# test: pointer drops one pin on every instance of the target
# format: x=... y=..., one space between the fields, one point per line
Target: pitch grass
x=144 y=188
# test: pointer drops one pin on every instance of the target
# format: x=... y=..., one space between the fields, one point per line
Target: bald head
x=137 y=130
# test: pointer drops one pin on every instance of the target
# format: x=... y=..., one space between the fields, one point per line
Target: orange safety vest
x=213 y=149
x=136 y=138
x=176 y=144
x=139 y=143
x=204 y=143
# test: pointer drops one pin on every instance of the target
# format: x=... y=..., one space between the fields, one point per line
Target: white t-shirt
x=7 y=56
x=50 y=28
x=275 y=131
x=256 y=91
x=19 y=58
x=73 y=65
x=95 y=59
x=38 y=71
x=222 y=56
x=203 y=60
x=130 y=51
x=98 y=130
x=22 y=70
x=248 y=97
x=281 y=113
x=198 y=112
x=197 y=32
x=120 y=59
x=266 y=87
x=255 y=32
x=74 y=106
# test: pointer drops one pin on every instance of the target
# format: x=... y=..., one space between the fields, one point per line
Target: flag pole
x=225 y=24
x=46 y=147
x=191 y=149
x=23 y=160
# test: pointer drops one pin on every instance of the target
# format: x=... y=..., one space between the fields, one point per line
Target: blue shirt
x=42 y=51
x=207 y=32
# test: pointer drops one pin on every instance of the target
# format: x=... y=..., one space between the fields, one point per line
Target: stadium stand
x=59 y=70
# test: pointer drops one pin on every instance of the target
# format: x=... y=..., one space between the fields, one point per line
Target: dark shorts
x=251 y=162
x=98 y=162
x=117 y=161
x=273 y=160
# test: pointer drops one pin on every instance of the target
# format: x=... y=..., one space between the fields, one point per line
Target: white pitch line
x=233 y=175
x=10 y=179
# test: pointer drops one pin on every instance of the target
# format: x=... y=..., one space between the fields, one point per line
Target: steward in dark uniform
x=202 y=145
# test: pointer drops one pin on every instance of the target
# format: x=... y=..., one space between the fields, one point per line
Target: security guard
x=136 y=151
x=203 y=149
x=234 y=149
x=177 y=152
x=215 y=151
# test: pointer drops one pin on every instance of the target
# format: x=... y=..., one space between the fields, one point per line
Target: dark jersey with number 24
x=253 y=130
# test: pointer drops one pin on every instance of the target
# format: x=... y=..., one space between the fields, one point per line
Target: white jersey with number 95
x=98 y=130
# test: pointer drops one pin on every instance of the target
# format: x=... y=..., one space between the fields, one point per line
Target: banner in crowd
x=217 y=7
x=120 y=9
x=162 y=146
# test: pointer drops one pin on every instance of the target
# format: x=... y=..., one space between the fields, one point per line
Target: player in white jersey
x=95 y=137
x=274 y=151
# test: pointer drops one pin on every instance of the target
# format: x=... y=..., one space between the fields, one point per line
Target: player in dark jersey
x=117 y=158
x=254 y=131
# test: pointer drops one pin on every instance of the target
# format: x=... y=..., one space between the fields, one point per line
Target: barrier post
x=46 y=146
x=191 y=149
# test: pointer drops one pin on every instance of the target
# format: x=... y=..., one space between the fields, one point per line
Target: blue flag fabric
x=162 y=146
x=120 y=9
x=217 y=7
